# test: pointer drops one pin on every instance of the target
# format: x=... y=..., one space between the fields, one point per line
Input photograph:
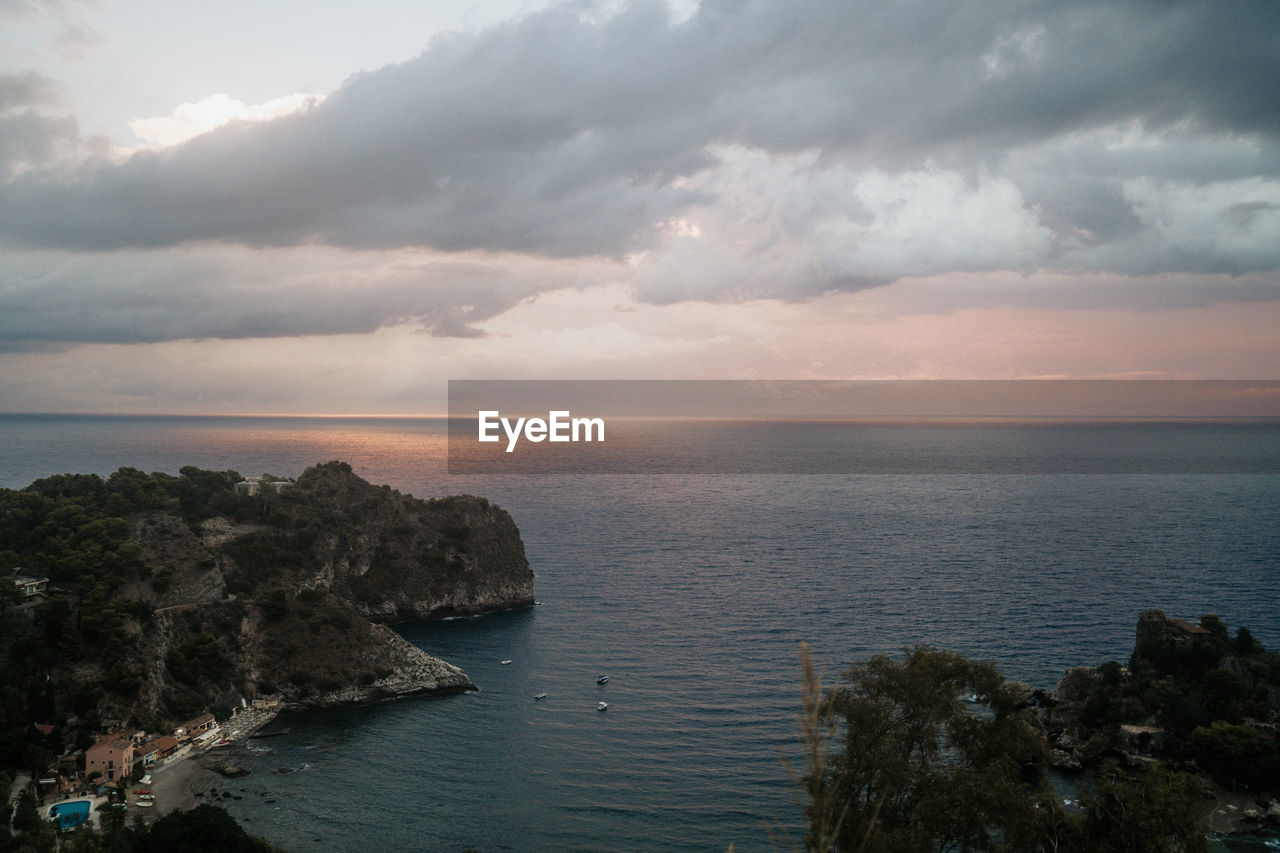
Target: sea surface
x=694 y=592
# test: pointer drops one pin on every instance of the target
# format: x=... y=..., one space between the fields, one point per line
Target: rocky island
x=935 y=751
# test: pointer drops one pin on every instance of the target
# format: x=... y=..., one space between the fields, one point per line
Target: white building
x=31 y=587
x=254 y=485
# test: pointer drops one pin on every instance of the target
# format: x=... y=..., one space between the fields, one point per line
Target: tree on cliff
x=939 y=753
x=1154 y=810
x=918 y=770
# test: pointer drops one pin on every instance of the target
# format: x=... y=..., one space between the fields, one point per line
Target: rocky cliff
x=215 y=595
x=333 y=556
x=1190 y=692
x=396 y=558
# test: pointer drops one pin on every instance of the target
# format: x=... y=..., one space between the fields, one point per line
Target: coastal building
x=255 y=485
x=192 y=728
x=150 y=754
x=147 y=755
x=111 y=757
x=30 y=587
x=165 y=744
x=1143 y=739
x=1187 y=629
x=203 y=739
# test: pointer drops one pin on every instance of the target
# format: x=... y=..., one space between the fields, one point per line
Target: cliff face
x=396 y=558
x=1190 y=692
x=323 y=655
x=284 y=592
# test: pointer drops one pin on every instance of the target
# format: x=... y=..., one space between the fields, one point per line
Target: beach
x=174 y=784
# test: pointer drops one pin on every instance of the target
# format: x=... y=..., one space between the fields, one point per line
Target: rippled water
x=693 y=593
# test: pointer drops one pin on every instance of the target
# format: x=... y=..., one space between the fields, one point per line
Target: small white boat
x=507 y=661
x=602 y=679
x=539 y=697
x=602 y=706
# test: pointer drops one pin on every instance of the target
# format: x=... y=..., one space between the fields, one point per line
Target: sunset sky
x=292 y=207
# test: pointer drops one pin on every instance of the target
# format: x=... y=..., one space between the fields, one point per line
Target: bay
x=694 y=592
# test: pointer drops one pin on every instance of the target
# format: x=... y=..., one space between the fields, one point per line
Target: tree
x=919 y=771
x=204 y=829
x=33 y=833
x=939 y=753
x=1236 y=754
x=1152 y=811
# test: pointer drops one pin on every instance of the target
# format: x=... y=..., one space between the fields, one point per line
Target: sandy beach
x=174 y=784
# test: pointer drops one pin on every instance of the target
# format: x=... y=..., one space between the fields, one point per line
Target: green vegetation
x=204 y=829
x=940 y=753
x=75 y=530
x=199 y=660
x=1212 y=700
x=160 y=597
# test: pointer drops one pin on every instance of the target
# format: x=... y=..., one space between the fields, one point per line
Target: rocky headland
x=203 y=594
x=1191 y=697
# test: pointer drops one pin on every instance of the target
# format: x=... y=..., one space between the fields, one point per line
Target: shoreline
x=174 y=784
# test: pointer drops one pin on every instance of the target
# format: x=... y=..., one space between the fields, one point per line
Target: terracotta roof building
x=111 y=756
x=193 y=727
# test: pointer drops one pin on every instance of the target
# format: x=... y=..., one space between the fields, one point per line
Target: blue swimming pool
x=69 y=814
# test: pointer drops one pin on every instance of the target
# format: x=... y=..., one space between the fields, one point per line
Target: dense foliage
x=204 y=829
x=117 y=549
x=170 y=596
x=1212 y=696
x=939 y=753
x=920 y=771
x=74 y=529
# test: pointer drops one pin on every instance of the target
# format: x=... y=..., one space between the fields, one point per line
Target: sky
x=288 y=207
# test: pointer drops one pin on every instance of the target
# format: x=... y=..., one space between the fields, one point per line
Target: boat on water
x=506 y=662
x=602 y=679
x=602 y=706
x=540 y=697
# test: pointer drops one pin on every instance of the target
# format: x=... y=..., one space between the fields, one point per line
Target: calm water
x=693 y=593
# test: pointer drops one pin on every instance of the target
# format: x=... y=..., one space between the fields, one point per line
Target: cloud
x=76 y=39
x=190 y=120
x=33 y=135
x=558 y=135
x=28 y=89
x=73 y=39
x=799 y=228
x=56 y=299
x=741 y=150
x=1069 y=292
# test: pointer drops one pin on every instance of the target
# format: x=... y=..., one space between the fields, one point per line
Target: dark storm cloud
x=28 y=139
x=1074 y=293
x=29 y=136
x=28 y=89
x=759 y=149
x=55 y=299
x=560 y=136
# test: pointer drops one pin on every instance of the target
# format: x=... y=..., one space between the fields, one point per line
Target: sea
x=694 y=593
